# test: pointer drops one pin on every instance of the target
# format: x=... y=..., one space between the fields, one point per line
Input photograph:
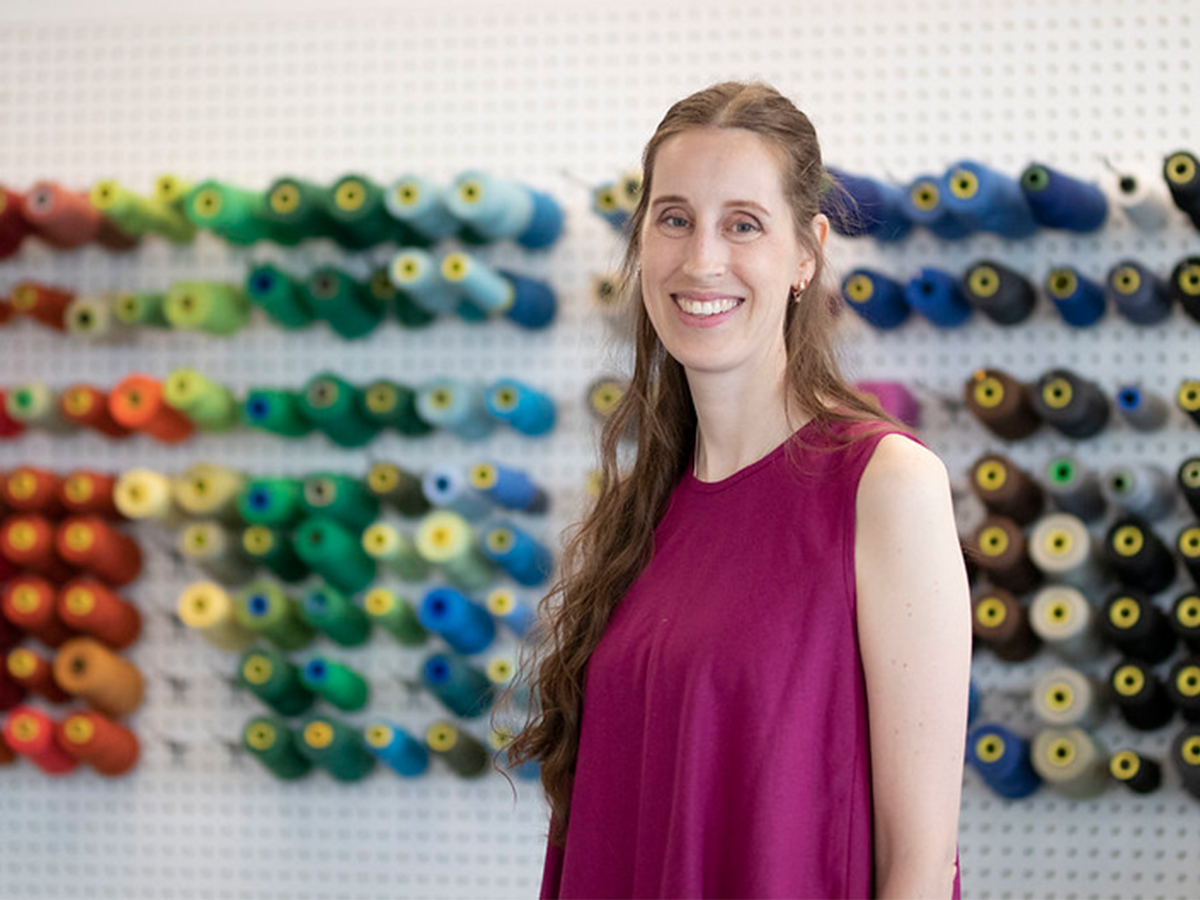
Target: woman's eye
x=745 y=226
x=674 y=221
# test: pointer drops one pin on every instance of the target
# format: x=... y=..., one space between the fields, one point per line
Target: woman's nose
x=707 y=255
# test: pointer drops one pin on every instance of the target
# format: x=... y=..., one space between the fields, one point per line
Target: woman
x=755 y=668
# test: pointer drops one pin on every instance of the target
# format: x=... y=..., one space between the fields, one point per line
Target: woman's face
x=719 y=251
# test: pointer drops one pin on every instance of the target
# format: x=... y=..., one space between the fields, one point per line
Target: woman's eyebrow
x=675 y=198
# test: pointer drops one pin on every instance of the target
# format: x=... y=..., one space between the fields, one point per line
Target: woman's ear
x=820 y=227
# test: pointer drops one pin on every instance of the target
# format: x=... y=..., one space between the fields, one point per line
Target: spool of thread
x=273 y=549
x=300 y=207
x=28 y=602
x=420 y=205
x=462 y=689
x=210 y=406
x=603 y=395
x=1075 y=489
x=1144 y=410
x=144 y=495
x=1002 y=404
x=233 y=213
x=89 y=607
x=1002 y=623
x=28 y=489
x=208 y=610
x=9 y=427
x=1070 y=404
x=502 y=673
x=464 y=625
x=93 y=545
x=93 y=317
x=1064 y=697
x=215 y=551
x=923 y=205
x=1061 y=547
x=392 y=405
x=507 y=488
x=355 y=203
x=1000 y=551
x=386 y=544
x=463 y=754
x=270 y=677
x=988 y=201
x=86 y=406
x=1141 y=197
x=1137 y=293
x=335 y=553
x=396 y=616
x=505 y=210
x=36 y=405
x=1181 y=171
x=447 y=487
x=1079 y=300
x=1139 y=695
x=276 y=502
x=1183 y=686
x=1185 y=754
x=1188 y=545
x=86 y=493
x=137 y=403
x=27 y=541
x=1006 y=489
x=503 y=604
x=418 y=276
x=333 y=614
x=1137 y=627
x=47 y=304
x=863 y=206
x=1071 y=761
x=607 y=300
x=13 y=227
x=217 y=309
x=33 y=734
x=526 y=560
x=1140 y=774
x=1060 y=201
x=66 y=219
x=935 y=295
x=481 y=286
x=1137 y=555
x=336 y=407
x=171 y=190
x=1185 y=620
x=108 y=747
x=279 y=412
x=341 y=498
x=396 y=748
x=879 y=300
x=208 y=491
x=1002 y=294
x=523 y=408
x=1188 y=398
x=264 y=609
x=109 y=684
x=1184 y=286
x=1064 y=620
x=338 y=684
x=137 y=216
x=1003 y=760
x=343 y=303
x=273 y=290
x=336 y=748
x=445 y=539
x=455 y=406
x=141 y=310
x=1188 y=478
x=397 y=487
x=272 y=743
x=35 y=675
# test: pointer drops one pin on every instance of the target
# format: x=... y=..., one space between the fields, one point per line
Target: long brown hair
x=608 y=550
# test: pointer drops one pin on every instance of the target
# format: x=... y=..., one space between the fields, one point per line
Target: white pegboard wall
x=562 y=98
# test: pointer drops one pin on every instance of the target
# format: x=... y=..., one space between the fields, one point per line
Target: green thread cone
x=234 y=213
x=336 y=298
x=279 y=412
x=445 y=539
x=336 y=407
x=466 y=756
x=399 y=487
x=210 y=405
x=299 y=206
x=279 y=295
x=265 y=609
x=396 y=616
x=333 y=614
x=336 y=683
x=335 y=747
x=271 y=548
x=137 y=215
x=356 y=205
x=269 y=675
x=407 y=313
x=272 y=743
x=396 y=550
x=393 y=405
x=342 y=498
x=220 y=309
x=277 y=502
x=142 y=310
x=335 y=553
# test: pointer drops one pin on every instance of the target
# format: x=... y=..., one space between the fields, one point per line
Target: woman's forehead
x=718 y=165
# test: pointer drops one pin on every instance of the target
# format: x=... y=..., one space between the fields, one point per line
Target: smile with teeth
x=706 y=307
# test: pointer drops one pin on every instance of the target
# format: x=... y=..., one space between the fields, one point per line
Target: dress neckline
x=709 y=487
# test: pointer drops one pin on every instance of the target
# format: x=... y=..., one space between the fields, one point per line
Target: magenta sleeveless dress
x=724 y=747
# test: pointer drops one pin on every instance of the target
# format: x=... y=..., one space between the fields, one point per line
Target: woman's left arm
x=914 y=632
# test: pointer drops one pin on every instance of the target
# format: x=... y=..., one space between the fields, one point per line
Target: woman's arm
x=914 y=631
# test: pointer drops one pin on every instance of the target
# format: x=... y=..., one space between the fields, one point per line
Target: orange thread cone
x=87 y=406
x=62 y=218
x=30 y=490
x=89 y=607
x=28 y=602
x=36 y=674
x=87 y=493
x=87 y=669
x=109 y=747
x=94 y=545
x=137 y=403
x=33 y=735
x=40 y=301
x=28 y=541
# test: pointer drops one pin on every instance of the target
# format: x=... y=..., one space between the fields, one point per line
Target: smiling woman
x=753 y=674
